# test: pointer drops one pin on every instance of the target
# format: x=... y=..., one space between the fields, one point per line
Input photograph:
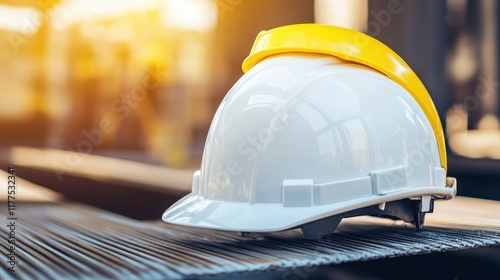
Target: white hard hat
x=314 y=133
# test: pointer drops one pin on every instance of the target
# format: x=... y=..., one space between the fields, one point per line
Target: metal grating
x=73 y=241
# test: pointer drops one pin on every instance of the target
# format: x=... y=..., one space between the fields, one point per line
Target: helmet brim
x=196 y=211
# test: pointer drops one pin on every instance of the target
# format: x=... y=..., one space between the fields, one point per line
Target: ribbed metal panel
x=72 y=241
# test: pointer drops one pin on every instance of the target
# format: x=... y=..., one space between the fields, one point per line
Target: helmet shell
x=303 y=137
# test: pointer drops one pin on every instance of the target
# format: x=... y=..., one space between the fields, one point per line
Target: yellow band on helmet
x=351 y=46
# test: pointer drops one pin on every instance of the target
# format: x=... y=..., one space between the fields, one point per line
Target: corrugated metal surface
x=72 y=241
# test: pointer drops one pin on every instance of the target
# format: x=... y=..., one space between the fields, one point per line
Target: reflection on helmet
x=304 y=140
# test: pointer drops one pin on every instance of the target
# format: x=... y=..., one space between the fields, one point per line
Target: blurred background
x=103 y=99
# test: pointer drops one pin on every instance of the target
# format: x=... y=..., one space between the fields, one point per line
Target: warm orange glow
x=137 y=66
x=77 y=11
